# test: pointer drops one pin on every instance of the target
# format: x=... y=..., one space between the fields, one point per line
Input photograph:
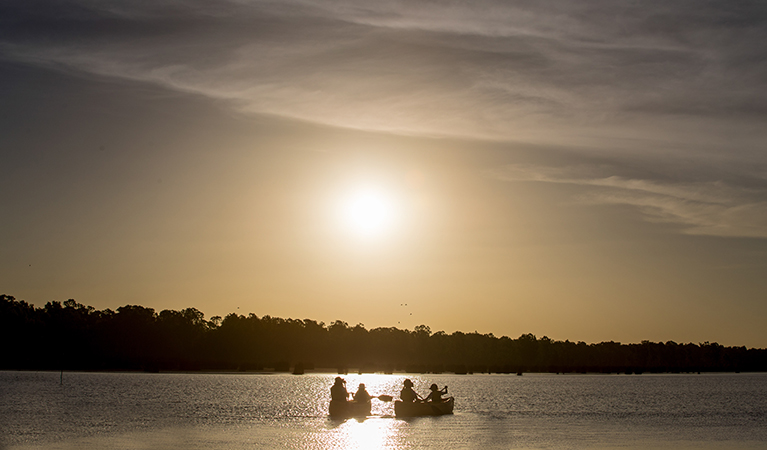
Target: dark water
x=240 y=411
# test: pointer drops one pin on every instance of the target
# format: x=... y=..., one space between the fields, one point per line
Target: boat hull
x=349 y=409
x=417 y=409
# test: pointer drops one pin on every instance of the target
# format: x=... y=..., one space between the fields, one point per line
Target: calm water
x=239 y=411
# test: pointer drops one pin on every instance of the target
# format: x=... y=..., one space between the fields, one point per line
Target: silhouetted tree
x=70 y=335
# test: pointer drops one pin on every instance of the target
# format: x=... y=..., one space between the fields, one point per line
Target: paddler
x=338 y=392
x=362 y=396
x=407 y=394
x=436 y=394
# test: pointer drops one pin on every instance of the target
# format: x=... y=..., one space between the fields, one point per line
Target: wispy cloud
x=692 y=75
x=701 y=208
x=491 y=69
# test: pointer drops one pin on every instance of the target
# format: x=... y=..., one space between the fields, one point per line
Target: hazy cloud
x=552 y=70
x=702 y=208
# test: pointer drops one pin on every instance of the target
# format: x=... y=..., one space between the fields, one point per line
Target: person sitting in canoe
x=340 y=407
x=407 y=394
x=338 y=392
x=436 y=394
x=361 y=396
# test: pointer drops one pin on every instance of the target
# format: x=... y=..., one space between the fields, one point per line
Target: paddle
x=385 y=398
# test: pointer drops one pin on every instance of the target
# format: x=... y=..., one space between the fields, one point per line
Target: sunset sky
x=586 y=170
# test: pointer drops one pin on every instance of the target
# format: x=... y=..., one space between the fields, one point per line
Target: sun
x=368 y=212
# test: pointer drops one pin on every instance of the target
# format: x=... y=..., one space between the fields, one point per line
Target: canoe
x=416 y=409
x=349 y=409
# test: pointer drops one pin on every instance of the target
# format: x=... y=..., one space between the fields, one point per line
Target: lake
x=282 y=411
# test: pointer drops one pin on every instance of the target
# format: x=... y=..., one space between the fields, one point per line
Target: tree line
x=72 y=336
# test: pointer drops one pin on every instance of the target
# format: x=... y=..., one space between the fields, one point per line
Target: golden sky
x=583 y=170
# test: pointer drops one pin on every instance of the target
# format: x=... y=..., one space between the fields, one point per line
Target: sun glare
x=368 y=212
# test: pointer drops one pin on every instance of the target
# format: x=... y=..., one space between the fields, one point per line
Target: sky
x=592 y=171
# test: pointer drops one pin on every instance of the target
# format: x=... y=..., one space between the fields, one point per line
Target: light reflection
x=382 y=431
x=372 y=433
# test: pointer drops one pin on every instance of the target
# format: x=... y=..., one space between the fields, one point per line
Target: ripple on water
x=233 y=411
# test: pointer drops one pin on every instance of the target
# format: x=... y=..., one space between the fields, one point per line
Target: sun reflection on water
x=382 y=431
x=375 y=433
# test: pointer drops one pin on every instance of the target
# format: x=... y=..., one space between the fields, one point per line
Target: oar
x=385 y=398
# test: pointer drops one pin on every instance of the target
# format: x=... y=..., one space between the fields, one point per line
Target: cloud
x=712 y=208
x=552 y=71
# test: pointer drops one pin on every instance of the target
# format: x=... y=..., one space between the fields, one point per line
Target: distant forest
x=71 y=336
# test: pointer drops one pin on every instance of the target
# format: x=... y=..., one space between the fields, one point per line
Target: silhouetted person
x=407 y=394
x=338 y=392
x=436 y=394
x=362 y=396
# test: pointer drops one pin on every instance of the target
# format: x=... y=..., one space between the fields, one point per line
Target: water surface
x=251 y=411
